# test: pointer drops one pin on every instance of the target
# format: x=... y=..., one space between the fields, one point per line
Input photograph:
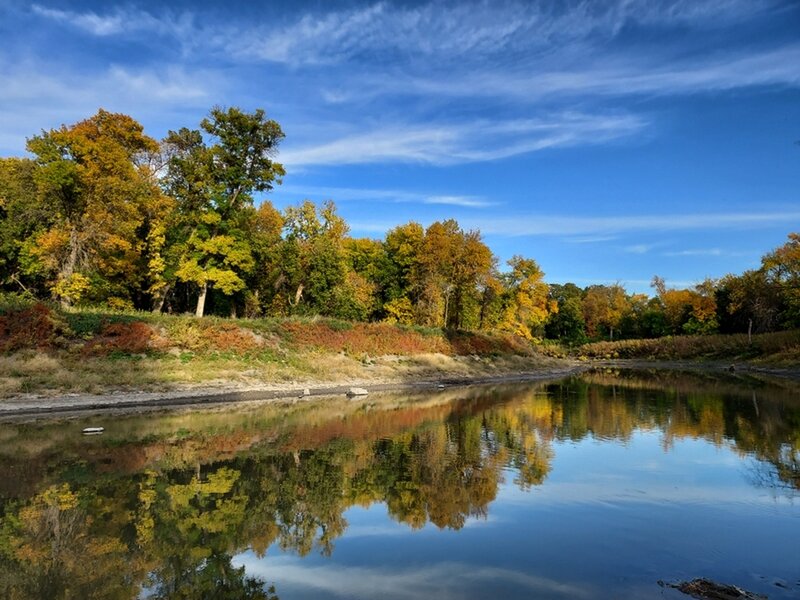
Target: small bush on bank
x=35 y=327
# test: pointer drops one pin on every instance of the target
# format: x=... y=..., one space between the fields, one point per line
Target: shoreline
x=31 y=406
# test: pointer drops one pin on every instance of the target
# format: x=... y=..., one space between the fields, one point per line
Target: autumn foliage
x=32 y=327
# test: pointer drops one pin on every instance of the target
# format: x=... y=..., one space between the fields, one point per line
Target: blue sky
x=610 y=141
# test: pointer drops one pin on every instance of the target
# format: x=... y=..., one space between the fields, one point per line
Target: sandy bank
x=52 y=404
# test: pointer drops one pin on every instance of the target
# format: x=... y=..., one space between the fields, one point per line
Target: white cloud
x=462 y=143
x=442 y=580
x=699 y=252
x=450 y=31
x=400 y=196
x=592 y=239
x=100 y=25
x=639 y=248
x=542 y=225
x=607 y=76
x=51 y=98
x=601 y=228
x=123 y=21
x=465 y=201
x=172 y=84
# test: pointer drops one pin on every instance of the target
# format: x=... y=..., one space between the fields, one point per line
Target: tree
x=23 y=217
x=567 y=323
x=782 y=268
x=313 y=260
x=264 y=234
x=527 y=305
x=688 y=310
x=604 y=306
x=400 y=280
x=213 y=183
x=98 y=181
x=450 y=266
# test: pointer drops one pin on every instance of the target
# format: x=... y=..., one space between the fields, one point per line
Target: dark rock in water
x=705 y=589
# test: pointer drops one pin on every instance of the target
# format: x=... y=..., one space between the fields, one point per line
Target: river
x=596 y=486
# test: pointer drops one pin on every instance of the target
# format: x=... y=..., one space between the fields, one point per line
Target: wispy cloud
x=710 y=252
x=172 y=83
x=465 y=201
x=101 y=25
x=447 y=579
x=458 y=31
x=52 y=97
x=592 y=239
x=638 y=248
x=545 y=225
x=600 y=228
x=384 y=195
x=605 y=75
x=698 y=252
x=465 y=142
x=122 y=20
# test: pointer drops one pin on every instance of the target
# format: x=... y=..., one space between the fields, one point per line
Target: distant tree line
x=104 y=215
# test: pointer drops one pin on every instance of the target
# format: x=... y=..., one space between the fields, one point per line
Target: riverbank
x=54 y=360
x=415 y=375
x=451 y=372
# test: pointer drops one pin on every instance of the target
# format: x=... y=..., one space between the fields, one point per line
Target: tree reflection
x=171 y=526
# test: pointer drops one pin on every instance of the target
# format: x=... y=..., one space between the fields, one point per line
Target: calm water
x=592 y=487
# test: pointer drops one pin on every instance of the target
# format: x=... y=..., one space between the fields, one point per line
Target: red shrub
x=32 y=327
x=129 y=338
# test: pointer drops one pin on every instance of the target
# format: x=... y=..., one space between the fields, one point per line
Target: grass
x=780 y=348
x=44 y=349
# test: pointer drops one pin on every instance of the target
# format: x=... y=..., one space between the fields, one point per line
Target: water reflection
x=160 y=505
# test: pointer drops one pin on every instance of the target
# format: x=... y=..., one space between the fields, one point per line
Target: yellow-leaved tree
x=526 y=302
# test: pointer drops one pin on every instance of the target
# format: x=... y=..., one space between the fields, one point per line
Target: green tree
x=213 y=183
x=23 y=217
x=314 y=269
x=782 y=268
x=567 y=323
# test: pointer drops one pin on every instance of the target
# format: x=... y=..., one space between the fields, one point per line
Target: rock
x=705 y=589
x=356 y=391
x=306 y=392
x=93 y=430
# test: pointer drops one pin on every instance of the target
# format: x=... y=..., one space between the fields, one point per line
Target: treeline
x=761 y=300
x=104 y=215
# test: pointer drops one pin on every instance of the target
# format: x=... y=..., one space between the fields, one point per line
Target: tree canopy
x=101 y=214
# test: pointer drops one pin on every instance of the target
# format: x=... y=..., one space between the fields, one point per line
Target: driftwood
x=705 y=589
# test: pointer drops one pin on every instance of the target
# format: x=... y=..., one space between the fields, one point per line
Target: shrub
x=32 y=327
x=125 y=338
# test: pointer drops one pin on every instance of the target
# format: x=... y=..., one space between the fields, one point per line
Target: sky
x=610 y=141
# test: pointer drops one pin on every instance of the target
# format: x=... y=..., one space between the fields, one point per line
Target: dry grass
x=781 y=347
x=52 y=352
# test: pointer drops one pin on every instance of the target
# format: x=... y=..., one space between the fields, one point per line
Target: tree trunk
x=611 y=334
x=298 y=295
x=201 y=300
x=162 y=297
x=749 y=331
x=68 y=268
